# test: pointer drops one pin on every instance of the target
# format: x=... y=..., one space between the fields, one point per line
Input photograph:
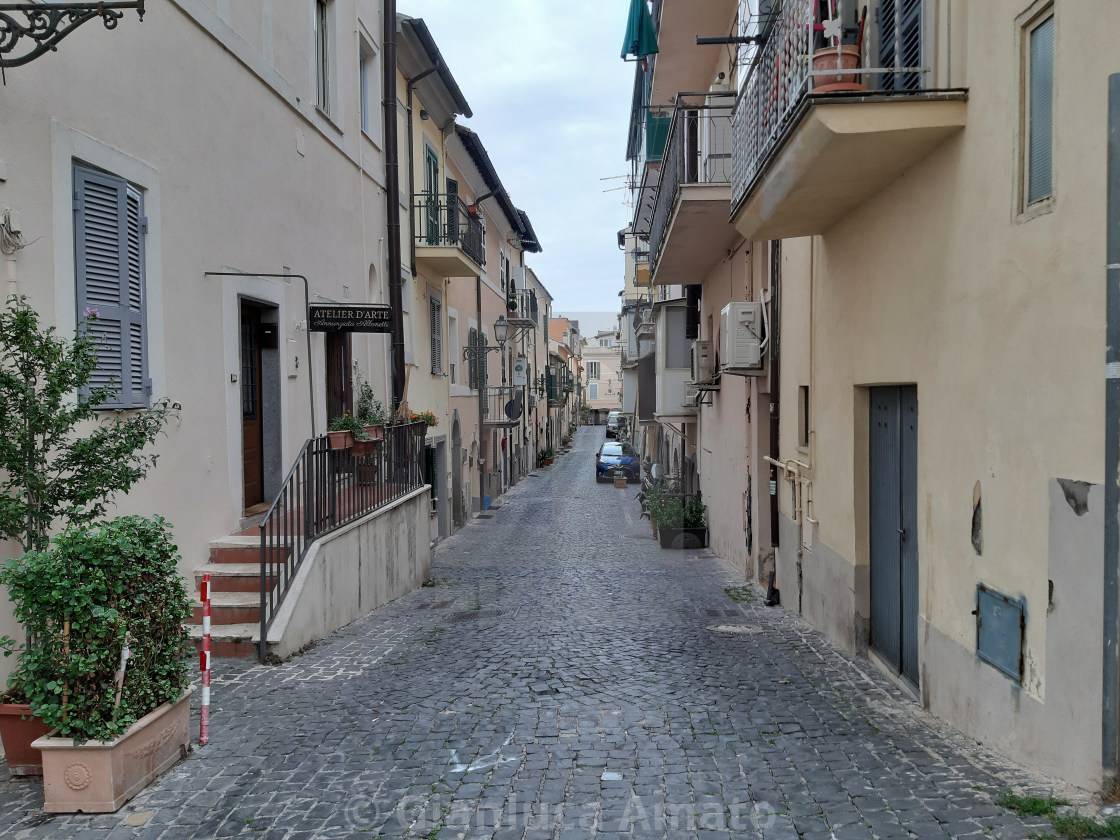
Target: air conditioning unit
x=740 y=337
x=703 y=369
x=520 y=280
x=691 y=394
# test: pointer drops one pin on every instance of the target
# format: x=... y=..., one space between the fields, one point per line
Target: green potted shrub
x=683 y=525
x=62 y=460
x=368 y=409
x=106 y=666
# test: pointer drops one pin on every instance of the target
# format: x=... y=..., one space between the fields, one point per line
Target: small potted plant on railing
x=368 y=409
x=838 y=52
x=428 y=418
x=343 y=430
x=106 y=664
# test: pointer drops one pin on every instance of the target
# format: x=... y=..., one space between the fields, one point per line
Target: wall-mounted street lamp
x=501 y=333
x=36 y=28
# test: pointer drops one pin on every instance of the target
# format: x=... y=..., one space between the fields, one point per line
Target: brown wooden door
x=340 y=397
x=252 y=439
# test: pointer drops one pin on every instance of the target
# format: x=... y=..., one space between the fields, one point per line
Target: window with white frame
x=593 y=370
x=323 y=54
x=1038 y=109
x=503 y=268
x=369 y=78
x=435 y=322
x=109 y=233
x=606 y=342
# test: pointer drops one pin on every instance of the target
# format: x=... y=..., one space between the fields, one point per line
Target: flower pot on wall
x=18 y=728
x=340 y=440
x=366 y=446
x=828 y=58
x=100 y=776
x=376 y=431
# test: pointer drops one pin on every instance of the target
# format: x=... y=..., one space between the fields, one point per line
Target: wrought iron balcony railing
x=447 y=221
x=504 y=405
x=698 y=152
x=780 y=73
x=523 y=308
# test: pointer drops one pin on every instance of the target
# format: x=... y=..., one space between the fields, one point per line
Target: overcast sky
x=551 y=103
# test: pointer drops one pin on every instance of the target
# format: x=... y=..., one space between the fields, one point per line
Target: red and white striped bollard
x=204 y=665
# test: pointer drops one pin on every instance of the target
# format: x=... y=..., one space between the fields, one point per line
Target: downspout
x=392 y=193
x=482 y=387
x=1110 y=723
x=411 y=83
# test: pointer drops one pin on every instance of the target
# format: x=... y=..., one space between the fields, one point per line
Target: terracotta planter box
x=100 y=776
x=340 y=440
x=376 y=432
x=683 y=537
x=364 y=447
x=18 y=728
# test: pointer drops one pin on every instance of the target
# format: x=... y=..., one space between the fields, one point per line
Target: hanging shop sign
x=350 y=317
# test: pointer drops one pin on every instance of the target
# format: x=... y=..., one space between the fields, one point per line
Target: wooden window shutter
x=109 y=233
x=472 y=359
x=435 y=313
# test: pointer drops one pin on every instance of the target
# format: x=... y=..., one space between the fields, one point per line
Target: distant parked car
x=614 y=421
x=612 y=456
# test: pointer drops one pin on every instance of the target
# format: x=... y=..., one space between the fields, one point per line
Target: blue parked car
x=612 y=455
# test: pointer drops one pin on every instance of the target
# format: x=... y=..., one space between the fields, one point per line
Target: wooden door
x=340 y=396
x=252 y=437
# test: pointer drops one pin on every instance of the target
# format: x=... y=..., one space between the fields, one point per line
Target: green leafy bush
x=347 y=423
x=61 y=460
x=694 y=512
x=93 y=592
x=368 y=409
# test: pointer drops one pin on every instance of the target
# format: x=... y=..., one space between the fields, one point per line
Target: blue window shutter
x=1040 y=162
x=109 y=229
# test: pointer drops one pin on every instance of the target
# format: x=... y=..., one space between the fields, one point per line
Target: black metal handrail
x=326 y=489
x=447 y=221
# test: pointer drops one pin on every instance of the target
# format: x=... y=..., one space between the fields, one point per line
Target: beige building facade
x=903 y=330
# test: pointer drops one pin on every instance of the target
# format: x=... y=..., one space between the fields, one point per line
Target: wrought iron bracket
x=36 y=28
x=474 y=352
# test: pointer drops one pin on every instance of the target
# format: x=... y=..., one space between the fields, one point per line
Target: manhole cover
x=475 y=615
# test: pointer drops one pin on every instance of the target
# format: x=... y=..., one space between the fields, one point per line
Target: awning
x=641 y=36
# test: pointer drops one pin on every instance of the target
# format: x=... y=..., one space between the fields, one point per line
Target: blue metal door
x=894 y=520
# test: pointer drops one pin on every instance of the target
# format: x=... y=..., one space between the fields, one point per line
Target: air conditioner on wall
x=519 y=277
x=691 y=394
x=703 y=369
x=741 y=334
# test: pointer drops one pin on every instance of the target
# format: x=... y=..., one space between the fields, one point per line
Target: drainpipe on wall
x=482 y=389
x=392 y=192
x=1110 y=728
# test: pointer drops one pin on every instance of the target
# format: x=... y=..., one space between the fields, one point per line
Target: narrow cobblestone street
x=564 y=677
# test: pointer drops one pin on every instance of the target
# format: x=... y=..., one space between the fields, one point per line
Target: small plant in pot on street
x=368 y=409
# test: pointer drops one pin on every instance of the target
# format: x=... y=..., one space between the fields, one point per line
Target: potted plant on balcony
x=106 y=665
x=369 y=410
x=427 y=417
x=61 y=462
x=834 y=54
x=343 y=429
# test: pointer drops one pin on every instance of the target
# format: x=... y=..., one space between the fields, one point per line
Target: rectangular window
x=606 y=342
x=593 y=370
x=369 y=83
x=678 y=350
x=322 y=55
x=1040 y=111
x=503 y=268
x=109 y=233
x=435 y=324
x=593 y=391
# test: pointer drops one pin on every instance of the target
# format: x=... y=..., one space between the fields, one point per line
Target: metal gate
x=894 y=527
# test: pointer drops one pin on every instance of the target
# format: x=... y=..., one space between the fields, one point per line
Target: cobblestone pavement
x=565 y=678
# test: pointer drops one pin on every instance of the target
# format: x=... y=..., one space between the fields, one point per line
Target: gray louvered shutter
x=472 y=359
x=900 y=42
x=483 y=377
x=109 y=231
x=1040 y=172
x=435 y=317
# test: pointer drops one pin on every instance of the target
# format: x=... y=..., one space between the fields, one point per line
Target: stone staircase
x=235 y=597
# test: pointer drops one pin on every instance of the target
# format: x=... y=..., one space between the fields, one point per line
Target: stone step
x=230 y=577
x=229 y=641
x=231 y=608
x=241 y=549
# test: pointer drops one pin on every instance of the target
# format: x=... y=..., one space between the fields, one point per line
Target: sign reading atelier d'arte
x=350 y=317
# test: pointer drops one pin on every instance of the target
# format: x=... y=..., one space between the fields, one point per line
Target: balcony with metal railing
x=810 y=143
x=690 y=231
x=449 y=236
x=503 y=406
x=523 y=309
